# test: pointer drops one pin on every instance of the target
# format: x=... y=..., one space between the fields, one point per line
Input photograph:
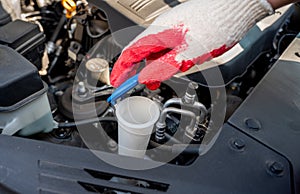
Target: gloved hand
x=188 y=34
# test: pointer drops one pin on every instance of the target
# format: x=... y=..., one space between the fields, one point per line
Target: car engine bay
x=55 y=80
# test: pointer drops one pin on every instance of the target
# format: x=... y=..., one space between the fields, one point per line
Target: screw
x=112 y=145
x=238 y=144
x=276 y=168
x=61 y=133
x=253 y=124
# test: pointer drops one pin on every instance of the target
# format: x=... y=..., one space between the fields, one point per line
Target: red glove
x=191 y=33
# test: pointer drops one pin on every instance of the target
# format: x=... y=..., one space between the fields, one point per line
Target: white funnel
x=136 y=117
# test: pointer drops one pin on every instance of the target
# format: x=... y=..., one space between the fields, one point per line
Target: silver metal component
x=172 y=101
x=161 y=124
x=197 y=105
x=58 y=51
x=187 y=100
x=112 y=145
x=192 y=133
x=160 y=131
x=109 y=111
x=203 y=110
x=178 y=111
x=81 y=89
x=190 y=94
x=51 y=47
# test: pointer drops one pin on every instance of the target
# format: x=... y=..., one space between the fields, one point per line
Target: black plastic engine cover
x=224 y=169
x=26 y=38
x=19 y=79
x=271 y=113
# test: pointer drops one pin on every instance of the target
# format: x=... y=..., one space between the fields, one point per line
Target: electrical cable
x=87 y=121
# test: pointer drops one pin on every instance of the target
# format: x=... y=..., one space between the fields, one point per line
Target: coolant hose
x=58 y=28
x=87 y=121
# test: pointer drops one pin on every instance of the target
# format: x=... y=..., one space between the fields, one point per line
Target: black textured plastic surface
x=274 y=106
x=62 y=169
x=123 y=29
x=19 y=79
x=4 y=16
x=17 y=32
x=26 y=38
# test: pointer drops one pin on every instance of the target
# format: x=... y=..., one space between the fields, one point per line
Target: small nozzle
x=190 y=94
x=192 y=87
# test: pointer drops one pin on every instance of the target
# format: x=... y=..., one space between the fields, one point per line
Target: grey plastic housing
x=34 y=117
x=24 y=105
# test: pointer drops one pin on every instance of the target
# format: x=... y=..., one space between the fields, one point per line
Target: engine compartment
x=82 y=49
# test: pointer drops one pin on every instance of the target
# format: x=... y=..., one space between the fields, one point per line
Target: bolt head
x=238 y=144
x=276 y=168
x=253 y=124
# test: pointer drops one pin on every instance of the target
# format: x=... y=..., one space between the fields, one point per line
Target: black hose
x=56 y=79
x=161 y=146
x=87 y=121
x=90 y=33
x=172 y=139
x=58 y=28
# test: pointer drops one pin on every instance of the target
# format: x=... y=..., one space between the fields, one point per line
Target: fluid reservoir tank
x=24 y=106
